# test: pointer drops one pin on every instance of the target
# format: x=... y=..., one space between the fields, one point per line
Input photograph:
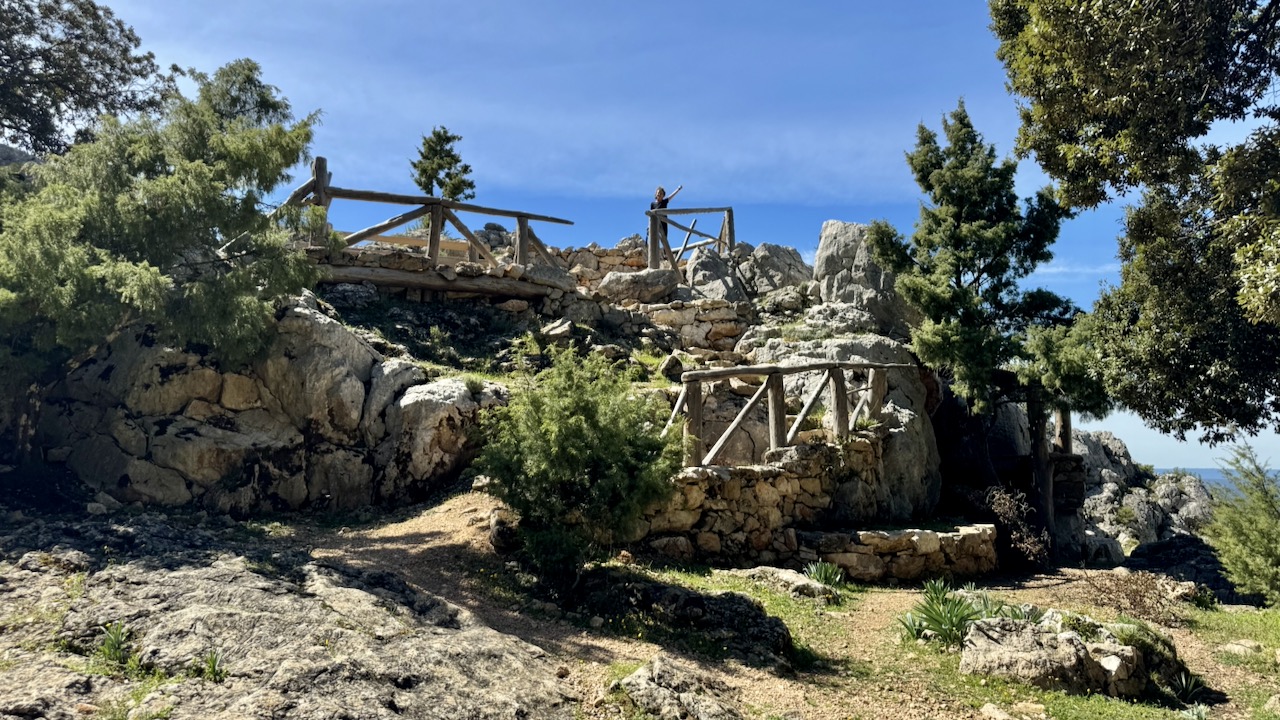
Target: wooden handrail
x=871 y=398
x=688 y=211
x=402 y=199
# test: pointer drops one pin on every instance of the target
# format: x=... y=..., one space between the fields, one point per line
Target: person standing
x=660 y=200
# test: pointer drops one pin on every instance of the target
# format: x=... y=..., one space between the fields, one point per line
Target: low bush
x=578 y=456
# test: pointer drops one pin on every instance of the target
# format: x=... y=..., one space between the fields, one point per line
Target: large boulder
x=711 y=277
x=1050 y=656
x=646 y=286
x=846 y=272
x=667 y=690
x=771 y=267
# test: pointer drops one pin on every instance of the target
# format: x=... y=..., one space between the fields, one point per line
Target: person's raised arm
x=675 y=192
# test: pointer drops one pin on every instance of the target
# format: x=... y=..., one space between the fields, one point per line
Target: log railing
x=318 y=191
x=660 y=247
x=870 y=401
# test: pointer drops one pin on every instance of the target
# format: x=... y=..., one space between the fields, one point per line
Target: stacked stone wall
x=771 y=514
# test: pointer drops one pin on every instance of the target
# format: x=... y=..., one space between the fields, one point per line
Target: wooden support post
x=320 y=171
x=1061 y=430
x=809 y=404
x=839 y=403
x=655 y=242
x=879 y=382
x=433 y=239
x=693 y=422
x=777 y=412
x=728 y=221
x=721 y=239
x=522 y=240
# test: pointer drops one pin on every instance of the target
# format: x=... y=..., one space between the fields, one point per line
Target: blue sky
x=579 y=109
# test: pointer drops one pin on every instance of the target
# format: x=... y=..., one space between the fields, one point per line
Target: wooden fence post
x=522 y=240
x=433 y=239
x=693 y=423
x=728 y=221
x=320 y=171
x=839 y=403
x=879 y=382
x=656 y=226
x=1061 y=430
x=777 y=412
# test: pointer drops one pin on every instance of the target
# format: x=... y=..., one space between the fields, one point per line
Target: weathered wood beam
x=809 y=404
x=655 y=231
x=522 y=241
x=675 y=409
x=481 y=248
x=674 y=224
x=432 y=280
x=693 y=422
x=689 y=211
x=733 y=427
x=385 y=225
x=751 y=370
x=839 y=403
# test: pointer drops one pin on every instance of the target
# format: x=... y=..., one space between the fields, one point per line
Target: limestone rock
x=668 y=690
x=387 y=381
x=316 y=372
x=846 y=272
x=642 y=286
x=772 y=267
x=711 y=276
x=318 y=638
x=793 y=583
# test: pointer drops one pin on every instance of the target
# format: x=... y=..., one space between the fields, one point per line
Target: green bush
x=579 y=456
x=828 y=574
x=1246 y=523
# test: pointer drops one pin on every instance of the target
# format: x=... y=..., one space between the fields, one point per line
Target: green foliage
x=578 y=456
x=1195 y=712
x=439 y=167
x=961 y=267
x=1246 y=523
x=1120 y=96
x=210 y=666
x=826 y=573
x=1187 y=686
x=130 y=228
x=1063 y=360
x=115 y=650
x=942 y=615
x=66 y=62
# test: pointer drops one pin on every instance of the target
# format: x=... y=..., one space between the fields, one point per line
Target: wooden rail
x=317 y=190
x=660 y=248
x=870 y=401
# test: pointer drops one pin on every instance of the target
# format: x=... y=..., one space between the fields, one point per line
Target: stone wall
x=762 y=514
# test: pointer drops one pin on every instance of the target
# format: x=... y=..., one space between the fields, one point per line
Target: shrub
x=1246 y=523
x=579 y=457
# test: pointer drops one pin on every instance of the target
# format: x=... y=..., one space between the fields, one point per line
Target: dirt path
x=870 y=673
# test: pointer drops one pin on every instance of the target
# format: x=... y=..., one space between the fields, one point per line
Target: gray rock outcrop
x=324 y=421
x=294 y=636
x=846 y=272
x=668 y=690
x=711 y=276
x=1049 y=655
x=641 y=286
x=769 y=267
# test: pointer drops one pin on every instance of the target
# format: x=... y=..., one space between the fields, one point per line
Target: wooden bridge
x=870 y=402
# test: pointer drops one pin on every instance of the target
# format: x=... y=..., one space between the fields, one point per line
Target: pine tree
x=961 y=267
x=439 y=167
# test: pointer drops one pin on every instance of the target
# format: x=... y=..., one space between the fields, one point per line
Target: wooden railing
x=660 y=247
x=318 y=191
x=870 y=401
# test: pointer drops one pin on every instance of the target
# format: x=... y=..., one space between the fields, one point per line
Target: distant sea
x=1210 y=476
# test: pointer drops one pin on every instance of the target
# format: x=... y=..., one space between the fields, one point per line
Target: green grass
x=1216 y=627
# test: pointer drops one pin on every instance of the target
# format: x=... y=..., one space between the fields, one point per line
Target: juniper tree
x=961 y=266
x=158 y=220
x=439 y=167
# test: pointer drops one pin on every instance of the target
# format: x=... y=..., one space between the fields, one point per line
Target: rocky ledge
x=294 y=637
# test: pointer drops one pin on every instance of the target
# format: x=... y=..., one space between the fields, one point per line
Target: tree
x=63 y=63
x=132 y=227
x=1119 y=97
x=439 y=167
x=578 y=455
x=961 y=267
x=1245 y=524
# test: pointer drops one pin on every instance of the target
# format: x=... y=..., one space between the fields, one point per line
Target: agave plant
x=828 y=574
x=948 y=618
